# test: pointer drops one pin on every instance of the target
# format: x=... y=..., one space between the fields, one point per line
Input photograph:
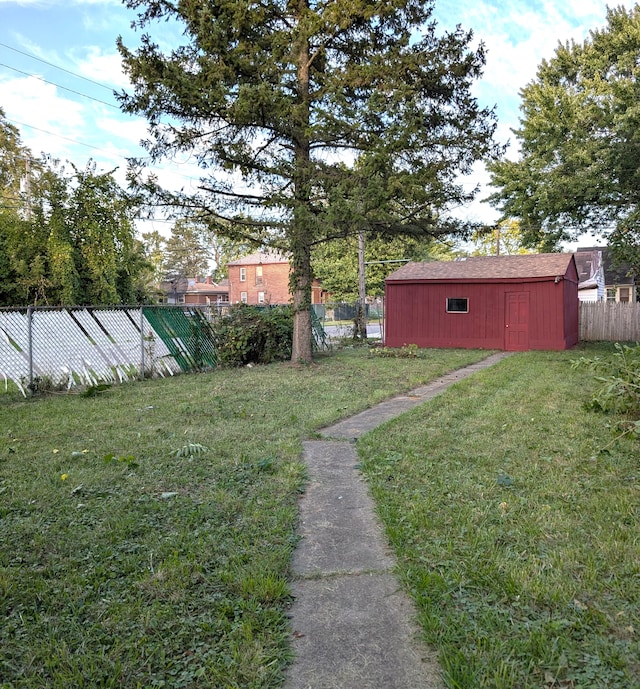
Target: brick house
x=207 y=291
x=263 y=278
x=196 y=291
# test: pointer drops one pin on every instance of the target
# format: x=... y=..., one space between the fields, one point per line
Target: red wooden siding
x=542 y=313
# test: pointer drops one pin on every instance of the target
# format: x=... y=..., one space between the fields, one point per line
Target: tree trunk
x=360 y=325
x=301 y=349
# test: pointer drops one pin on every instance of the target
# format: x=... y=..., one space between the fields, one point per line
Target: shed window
x=457 y=305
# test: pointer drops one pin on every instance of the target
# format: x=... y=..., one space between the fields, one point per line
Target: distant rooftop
x=260 y=257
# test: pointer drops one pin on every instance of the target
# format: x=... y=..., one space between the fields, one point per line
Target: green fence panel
x=187 y=335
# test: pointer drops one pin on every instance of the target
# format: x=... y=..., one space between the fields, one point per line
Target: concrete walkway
x=353 y=627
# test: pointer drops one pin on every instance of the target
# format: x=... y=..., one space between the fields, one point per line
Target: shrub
x=619 y=379
x=619 y=385
x=254 y=335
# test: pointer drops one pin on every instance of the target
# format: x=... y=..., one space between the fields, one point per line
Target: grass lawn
x=514 y=514
x=146 y=532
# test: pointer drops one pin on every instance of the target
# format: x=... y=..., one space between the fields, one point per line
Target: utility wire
x=64 y=88
x=59 y=136
x=189 y=178
x=62 y=69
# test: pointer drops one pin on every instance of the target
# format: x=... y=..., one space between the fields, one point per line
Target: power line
x=62 y=69
x=64 y=88
x=59 y=136
x=101 y=150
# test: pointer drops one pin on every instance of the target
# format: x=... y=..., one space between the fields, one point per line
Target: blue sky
x=79 y=36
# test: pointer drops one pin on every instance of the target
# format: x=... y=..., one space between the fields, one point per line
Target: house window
x=260 y=297
x=611 y=293
x=243 y=297
x=624 y=295
x=243 y=274
x=457 y=305
x=258 y=275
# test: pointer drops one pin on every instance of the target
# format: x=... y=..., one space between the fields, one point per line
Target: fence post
x=142 y=362
x=30 y=344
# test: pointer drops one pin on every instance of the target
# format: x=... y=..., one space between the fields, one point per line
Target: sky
x=59 y=67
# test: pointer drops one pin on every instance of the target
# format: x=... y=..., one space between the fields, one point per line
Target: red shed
x=498 y=302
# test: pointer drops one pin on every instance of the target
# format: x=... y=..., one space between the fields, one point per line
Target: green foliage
x=76 y=244
x=580 y=163
x=254 y=335
x=190 y=450
x=336 y=263
x=185 y=253
x=618 y=379
x=505 y=240
x=410 y=351
x=96 y=390
x=336 y=117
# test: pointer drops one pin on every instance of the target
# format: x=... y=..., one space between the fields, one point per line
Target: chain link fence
x=338 y=319
x=56 y=348
x=53 y=348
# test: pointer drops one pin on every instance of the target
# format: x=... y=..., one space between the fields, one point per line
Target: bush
x=619 y=379
x=254 y=335
x=619 y=386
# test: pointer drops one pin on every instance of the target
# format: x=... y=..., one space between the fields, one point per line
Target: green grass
x=514 y=514
x=146 y=532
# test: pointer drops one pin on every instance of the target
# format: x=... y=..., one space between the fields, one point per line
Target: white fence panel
x=71 y=346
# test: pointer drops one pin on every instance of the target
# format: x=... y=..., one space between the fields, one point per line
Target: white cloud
x=31 y=101
x=105 y=68
x=132 y=131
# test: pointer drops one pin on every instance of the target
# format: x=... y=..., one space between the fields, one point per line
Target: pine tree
x=311 y=120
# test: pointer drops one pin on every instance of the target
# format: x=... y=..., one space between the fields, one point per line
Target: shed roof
x=265 y=257
x=487 y=268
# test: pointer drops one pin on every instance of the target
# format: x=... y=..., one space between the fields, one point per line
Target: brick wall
x=274 y=284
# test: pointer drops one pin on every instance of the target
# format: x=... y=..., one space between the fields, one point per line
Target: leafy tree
x=153 y=246
x=336 y=263
x=222 y=250
x=505 y=239
x=579 y=135
x=14 y=163
x=311 y=120
x=78 y=246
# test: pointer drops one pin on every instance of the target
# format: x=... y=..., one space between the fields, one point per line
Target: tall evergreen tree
x=312 y=120
x=185 y=253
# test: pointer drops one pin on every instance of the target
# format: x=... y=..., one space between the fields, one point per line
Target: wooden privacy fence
x=611 y=322
x=62 y=347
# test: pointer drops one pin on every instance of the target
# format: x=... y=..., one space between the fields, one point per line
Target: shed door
x=517 y=322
